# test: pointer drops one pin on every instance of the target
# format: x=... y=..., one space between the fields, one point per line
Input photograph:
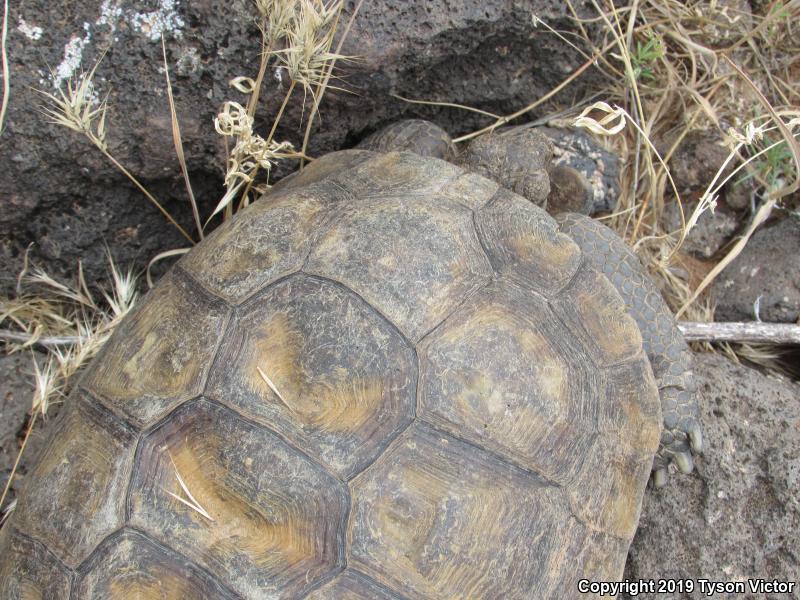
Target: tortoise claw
x=696 y=438
x=684 y=462
x=660 y=478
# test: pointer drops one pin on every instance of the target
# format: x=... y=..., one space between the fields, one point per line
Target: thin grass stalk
x=266 y=50
x=6 y=72
x=13 y=472
x=178 y=142
x=760 y=216
x=448 y=105
x=503 y=120
x=280 y=111
x=324 y=85
x=147 y=194
x=616 y=28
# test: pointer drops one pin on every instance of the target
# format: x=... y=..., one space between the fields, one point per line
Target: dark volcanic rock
x=768 y=268
x=710 y=233
x=60 y=193
x=696 y=161
x=738 y=515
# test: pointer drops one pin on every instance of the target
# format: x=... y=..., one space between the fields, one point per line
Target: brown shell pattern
x=387 y=380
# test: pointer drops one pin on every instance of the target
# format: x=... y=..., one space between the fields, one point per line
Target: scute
x=504 y=373
x=312 y=360
x=273 y=518
x=351 y=585
x=414 y=258
x=322 y=168
x=631 y=410
x=160 y=355
x=75 y=495
x=268 y=240
x=469 y=190
x=28 y=571
x=397 y=175
x=594 y=311
x=437 y=518
x=607 y=493
x=131 y=566
x=524 y=244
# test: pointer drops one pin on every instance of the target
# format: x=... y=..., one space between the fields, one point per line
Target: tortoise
x=391 y=377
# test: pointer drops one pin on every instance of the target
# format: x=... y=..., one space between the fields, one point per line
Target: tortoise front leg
x=663 y=342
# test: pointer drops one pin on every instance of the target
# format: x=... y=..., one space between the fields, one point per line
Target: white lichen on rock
x=73 y=52
x=152 y=24
x=32 y=32
x=164 y=19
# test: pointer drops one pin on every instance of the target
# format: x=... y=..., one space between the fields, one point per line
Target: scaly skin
x=663 y=342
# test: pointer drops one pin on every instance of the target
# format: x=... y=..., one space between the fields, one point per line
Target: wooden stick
x=14 y=336
x=751 y=332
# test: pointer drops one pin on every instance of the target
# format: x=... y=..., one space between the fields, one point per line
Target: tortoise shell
x=389 y=378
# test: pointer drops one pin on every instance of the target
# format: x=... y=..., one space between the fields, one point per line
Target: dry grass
x=679 y=67
x=297 y=36
x=70 y=323
x=6 y=72
x=74 y=107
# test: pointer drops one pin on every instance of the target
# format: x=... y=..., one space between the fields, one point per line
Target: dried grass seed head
x=75 y=106
x=309 y=37
x=251 y=151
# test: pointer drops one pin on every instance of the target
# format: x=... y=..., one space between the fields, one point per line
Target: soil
x=737 y=516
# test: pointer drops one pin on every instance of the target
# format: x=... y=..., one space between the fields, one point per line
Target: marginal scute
x=132 y=566
x=265 y=519
x=470 y=190
x=523 y=243
x=594 y=311
x=611 y=503
x=351 y=585
x=631 y=410
x=504 y=373
x=591 y=555
x=28 y=571
x=160 y=355
x=312 y=360
x=75 y=495
x=397 y=175
x=630 y=427
x=439 y=519
x=414 y=258
x=321 y=168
